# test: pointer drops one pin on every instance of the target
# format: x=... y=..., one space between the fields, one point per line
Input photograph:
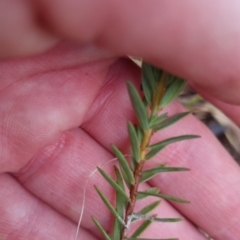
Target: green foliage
x=150 y=173
x=164 y=196
x=138 y=106
x=135 y=143
x=154 y=219
x=142 y=228
x=174 y=88
x=150 y=78
x=125 y=169
x=115 y=185
x=169 y=121
x=101 y=229
x=156 y=120
x=150 y=207
x=121 y=204
x=159 y=89
x=157 y=147
x=109 y=206
x=149 y=190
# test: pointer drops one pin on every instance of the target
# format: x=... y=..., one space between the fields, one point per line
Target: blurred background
x=227 y=132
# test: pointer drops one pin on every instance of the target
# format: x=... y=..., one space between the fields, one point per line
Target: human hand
x=46 y=157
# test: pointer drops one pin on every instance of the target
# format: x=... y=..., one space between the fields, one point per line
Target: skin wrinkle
x=50 y=152
x=62 y=57
x=105 y=95
x=105 y=99
x=77 y=106
x=34 y=226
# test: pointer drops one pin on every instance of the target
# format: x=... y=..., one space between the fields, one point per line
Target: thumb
x=196 y=40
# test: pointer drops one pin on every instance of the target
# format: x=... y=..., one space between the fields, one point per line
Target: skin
x=63 y=102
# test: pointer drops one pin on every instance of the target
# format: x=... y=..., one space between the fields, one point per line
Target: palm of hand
x=58 y=119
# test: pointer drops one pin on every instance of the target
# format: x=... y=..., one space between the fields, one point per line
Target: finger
x=47 y=168
x=64 y=56
x=25 y=217
x=196 y=40
x=212 y=173
x=61 y=172
x=211 y=165
x=20 y=33
x=37 y=107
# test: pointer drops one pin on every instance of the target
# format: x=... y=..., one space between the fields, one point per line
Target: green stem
x=143 y=152
x=137 y=176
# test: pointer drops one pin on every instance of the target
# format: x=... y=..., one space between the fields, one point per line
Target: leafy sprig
x=159 y=90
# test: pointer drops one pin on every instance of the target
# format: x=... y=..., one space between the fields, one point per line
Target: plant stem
x=147 y=134
x=137 y=175
x=158 y=89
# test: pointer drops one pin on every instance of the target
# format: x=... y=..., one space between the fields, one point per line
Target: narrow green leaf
x=109 y=205
x=148 y=81
x=149 y=190
x=147 y=91
x=157 y=73
x=138 y=106
x=156 y=148
x=133 y=161
x=145 y=103
x=169 y=121
x=172 y=91
x=134 y=142
x=120 y=206
x=101 y=229
x=155 y=120
x=141 y=229
x=124 y=165
x=150 y=173
x=164 y=196
x=113 y=184
x=150 y=207
x=128 y=184
x=139 y=133
x=154 y=219
x=170 y=79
